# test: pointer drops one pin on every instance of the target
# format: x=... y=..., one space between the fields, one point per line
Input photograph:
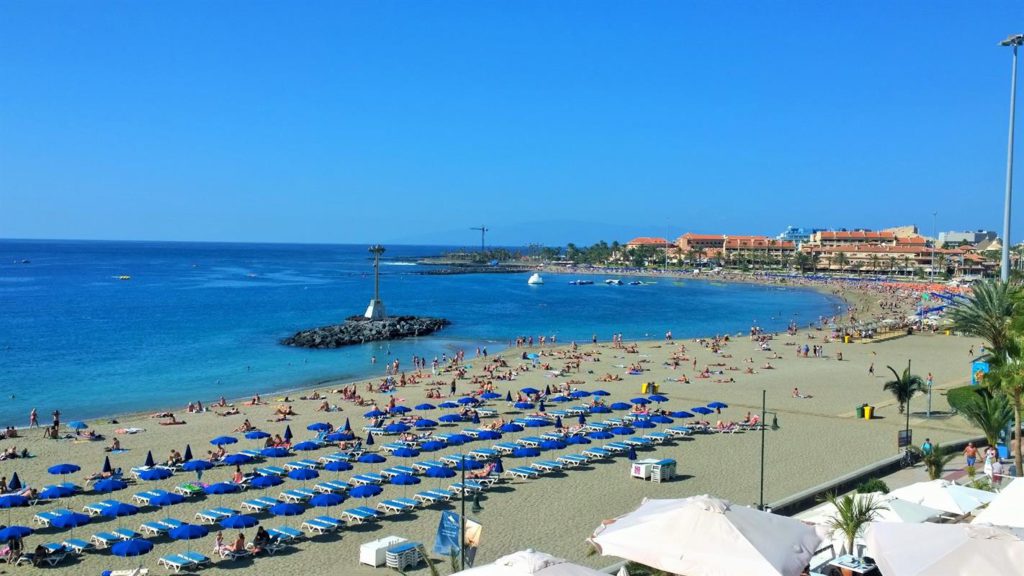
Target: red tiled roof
x=857 y=235
x=648 y=241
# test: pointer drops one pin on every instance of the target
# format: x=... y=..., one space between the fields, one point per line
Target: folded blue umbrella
x=371 y=458
x=508 y=396
x=275 y=452
x=239 y=521
x=188 y=453
x=109 y=485
x=237 y=459
x=367 y=491
x=72 y=520
x=189 y=532
x=337 y=466
x=107 y=468
x=155 y=474
x=303 y=474
x=431 y=446
x=640 y=400
x=257 y=435
x=266 y=481
x=404 y=480
x=702 y=410
x=54 y=492
x=222 y=488
x=306 y=446
x=62 y=469
x=620 y=406
x=425 y=423
x=14 y=532
x=369 y=438
x=288 y=432
x=325 y=500
x=396 y=428
x=499 y=466
x=632 y=453
x=406 y=452
x=222 y=440
x=657 y=398
x=439 y=472
x=15 y=483
x=287 y=509
x=718 y=405
x=558 y=421
x=318 y=426
x=196 y=465
x=540 y=407
x=149 y=463
x=133 y=547
x=348 y=426
x=450 y=418
x=425 y=406
x=582 y=420
x=475 y=419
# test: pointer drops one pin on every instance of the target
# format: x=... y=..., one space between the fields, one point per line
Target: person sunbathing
x=229 y=412
x=114 y=445
x=482 y=473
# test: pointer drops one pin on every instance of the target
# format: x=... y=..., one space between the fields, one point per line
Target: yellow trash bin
x=657 y=387
x=869 y=411
x=948 y=332
x=645 y=388
x=846 y=339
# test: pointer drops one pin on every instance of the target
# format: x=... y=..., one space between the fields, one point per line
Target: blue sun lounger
x=332 y=487
x=44 y=518
x=484 y=454
x=97 y=508
x=370 y=478
x=159 y=527
x=214 y=514
x=322 y=525
x=506 y=447
x=260 y=504
x=397 y=470
x=597 y=453
x=522 y=472
x=77 y=546
x=428 y=497
x=285 y=533
x=572 y=460
x=396 y=505
x=297 y=495
x=530 y=441
x=176 y=562
x=271 y=471
x=143 y=498
x=679 y=430
x=427 y=464
x=361 y=514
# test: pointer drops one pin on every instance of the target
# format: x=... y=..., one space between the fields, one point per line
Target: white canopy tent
x=891 y=510
x=530 y=563
x=1006 y=509
x=944 y=549
x=707 y=536
x=944 y=495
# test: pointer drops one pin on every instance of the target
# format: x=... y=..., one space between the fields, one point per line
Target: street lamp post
x=935 y=241
x=775 y=426
x=1004 y=273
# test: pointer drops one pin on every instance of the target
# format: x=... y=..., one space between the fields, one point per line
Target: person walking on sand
x=33 y=419
x=871 y=369
x=971 y=454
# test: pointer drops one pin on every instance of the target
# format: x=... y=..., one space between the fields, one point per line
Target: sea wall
x=358 y=330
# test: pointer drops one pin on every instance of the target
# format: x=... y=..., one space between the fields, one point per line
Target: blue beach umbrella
x=661 y=419
x=367 y=491
x=404 y=480
x=222 y=488
x=166 y=499
x=423 y=423
x=239 y=521
x=468 y=400
x=488 y=435
x=72 y=520
x=149 y=463
x=12 y=501
x=107 y=468
x=622 y=430
x=459 y=439
x=375 y=413
x=275 y=452
x=257 y=435
x=529 y=391
x=475 y=419
x=369 y=439
x=326 y=500
x=439 y=472
x=339 y=436
x=14 y=532
x=155 y=474
x=55 y=492
x=620 y=406
x=318 y=427
x=525 y=452
x=702 y=410
x=396 y=428
x=77 y=425
x=303 y=474
x=467 y=464
x=266 y=481
x=681 y=414
x=223 y=440
x=63 y=469
x=490 y=395
x=523 y=405
x=579 y=394
x=189 y=532
x=582 y=420
x=558 y=399
x=133 y=547
x=288 y=433
x=400 y=410
x=448 y=404
x=508 y=396
x=657 y=398
x=371 y=458
x=600 y=435
x=425 y=406
x=640 y=400
x=644 y=424
x=600 y=393
x=196 y=465
x=406 y=452
x=576 y=439
x=718 y=405
x=535 y=423
x=499 y=466
x=237 y=459
x=540 y=407
x=599 y=409
x=552 y=445
x=338 y=466
x=431 y=446
x=120 y=510
x=109 y=485
x=511 y=427
x=632 y=453
x=306 y=446
x=450 y=418
x=287 y=509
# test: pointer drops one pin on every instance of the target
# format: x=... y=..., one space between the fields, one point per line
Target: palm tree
x=1006 y=378
x=987 y=314
x=841 y=260
x=853 y=513
x=905 y=260
x=936 y=460
x=991 y=414
x=875 y=260
x=892 y=264
x=904 y=386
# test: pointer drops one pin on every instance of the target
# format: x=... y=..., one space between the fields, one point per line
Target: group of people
x=259 y=542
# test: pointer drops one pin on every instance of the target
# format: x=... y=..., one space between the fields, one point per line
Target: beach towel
x=132 y=430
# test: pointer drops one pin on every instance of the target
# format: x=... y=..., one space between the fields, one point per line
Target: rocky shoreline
x=358 y=330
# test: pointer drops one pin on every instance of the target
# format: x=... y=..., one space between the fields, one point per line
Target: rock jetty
x=357 y=330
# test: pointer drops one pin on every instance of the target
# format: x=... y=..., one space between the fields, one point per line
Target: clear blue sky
x=548 y=121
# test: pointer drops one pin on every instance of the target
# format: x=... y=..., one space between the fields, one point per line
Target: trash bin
x=657 y=387
x=645 y=388
x=860 y=410
x=846 y=339
x=869 y=411
x=949 y=332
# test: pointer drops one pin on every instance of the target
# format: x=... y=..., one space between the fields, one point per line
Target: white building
x=968 y=237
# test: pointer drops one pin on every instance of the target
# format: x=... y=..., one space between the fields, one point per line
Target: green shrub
x=873 y=485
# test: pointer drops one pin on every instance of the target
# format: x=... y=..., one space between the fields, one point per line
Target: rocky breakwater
x=357 y=330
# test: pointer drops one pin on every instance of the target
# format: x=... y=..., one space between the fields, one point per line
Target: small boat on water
x=124 y=277
x=636 y=283
x=581 y=282
x=535 y=279
x=613 y=282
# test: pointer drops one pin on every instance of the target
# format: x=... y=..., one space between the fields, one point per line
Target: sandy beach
x=819 y=438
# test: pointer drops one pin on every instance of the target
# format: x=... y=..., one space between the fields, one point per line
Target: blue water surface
x=198 y=320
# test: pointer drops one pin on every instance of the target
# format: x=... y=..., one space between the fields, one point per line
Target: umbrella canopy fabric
x=425 y=423
x=13 y=501
x=239 y=521
x=288 y=432
x=306 y=446
x=705 y=536
x=944 y=495
x=274 y=452
x=189 y=532
x=338 y=466
x=340 y=436
x=658 y=398
x=268 y=481
x=577 y=439
x=325 y=500
x=644 y=424
x=600 y=435
x=73 y=520
x=529 y=391
x=681 y=414
x=530 y=563
x=149 y=463
x=459 y=439
x=579 y=394
x=450 y=418
x=600 y=393
x=1005 y=509
x=600 y=409
x=14 y=532
x=133 y=547
x=406 y=452
x=468 y=464
x=396 y=428
x=431 y=446
x=196 y=465
x=702 y=410
x=439 y=472
x=622 y=430
x=15 y=483
x=367 y=491
x=107 y=468
x=661 y=419
x=508 y=396
x=166 y=499
x=640 y=400
x=54 y=492
x=524 y=405
x=303 y=474
x=371 y=458
x=620 y=406
x=155 y=474
x=375 y=413
x=222 y=440
x=525 y=452
x=257 y=435
x=718 y=405
x=511 y=427
x=62 y=469
x=318 y=427
x=490 y=395
x=287 y=509
x=425 y=406
x=929 y=549
x=404 y=480
x=448 y=404
x=222 y=488
x=109 y=485
x=468 y=400
x=120 y=509
x=890 y=510
x=400 y=410
x=237 y=459
x=369 y=439
x=488 y=435
x=188 y=453
x=77 y=425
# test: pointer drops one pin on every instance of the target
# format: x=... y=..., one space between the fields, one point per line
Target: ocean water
x=198 y=320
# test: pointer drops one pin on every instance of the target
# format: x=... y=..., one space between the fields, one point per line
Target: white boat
x=535 y=279
x=613 y=282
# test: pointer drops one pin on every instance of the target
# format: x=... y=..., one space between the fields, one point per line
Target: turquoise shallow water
x=198 y=320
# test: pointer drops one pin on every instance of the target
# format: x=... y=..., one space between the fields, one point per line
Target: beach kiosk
x=653 y=469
